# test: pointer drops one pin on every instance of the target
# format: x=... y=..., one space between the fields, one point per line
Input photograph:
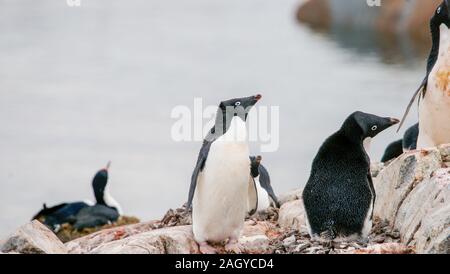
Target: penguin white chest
x=367 y=143
x=434 y=109
x=263 y=196
x=220 y=199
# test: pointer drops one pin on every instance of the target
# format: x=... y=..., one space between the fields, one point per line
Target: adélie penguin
x=339 y=195
x=397 y=148
x=221 y=181
x=434 y=92
x=266 y=195
x=392 y=151
x=410 y=138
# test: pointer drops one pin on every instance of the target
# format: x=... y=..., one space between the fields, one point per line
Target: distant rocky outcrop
x=412 y=215
x=393 y=16
x=395 y=24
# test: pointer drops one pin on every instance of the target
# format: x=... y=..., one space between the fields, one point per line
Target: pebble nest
x=68 y=233
x=299 y=242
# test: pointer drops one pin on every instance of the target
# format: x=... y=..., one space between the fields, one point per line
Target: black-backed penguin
x=69 y=212
x=339 y=195
x=434 y=92
x=393 y=150
x=410 y=138
x=266 y=195
x=221 y=180
x=397 y=148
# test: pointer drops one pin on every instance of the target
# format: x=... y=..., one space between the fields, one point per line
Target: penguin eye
x=237 y=104
x=438 y=11
x=374 y=128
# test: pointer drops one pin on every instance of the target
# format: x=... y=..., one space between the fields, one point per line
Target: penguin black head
x=254 y=165
x=365 y=125
x=442 y=14
x=238 y=107
x=99 y=184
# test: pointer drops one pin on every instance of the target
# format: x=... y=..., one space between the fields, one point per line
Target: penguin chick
x=266 y=195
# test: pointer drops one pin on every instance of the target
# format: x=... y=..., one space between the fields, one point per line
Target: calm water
x=81 y=86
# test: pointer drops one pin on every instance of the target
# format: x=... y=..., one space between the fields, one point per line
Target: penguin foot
x=205 y=248
x=233 y=246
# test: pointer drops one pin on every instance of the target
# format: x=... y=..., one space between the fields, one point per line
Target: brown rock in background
x=418 y=22
x=315 y=13
x=390 y=16
x=394 y=21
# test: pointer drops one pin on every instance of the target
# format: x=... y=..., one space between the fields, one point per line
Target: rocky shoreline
x=412 y=215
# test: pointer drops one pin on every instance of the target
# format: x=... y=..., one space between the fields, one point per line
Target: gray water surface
x=84 y=85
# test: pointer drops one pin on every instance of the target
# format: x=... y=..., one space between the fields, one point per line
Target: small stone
x=289 y=241
x=379 y=239
x=394 y=234
x=301 y=247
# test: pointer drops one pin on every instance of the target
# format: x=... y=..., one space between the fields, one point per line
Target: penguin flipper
x=421 y=89
x=264 y=180
x=252 y=197
x=202 y=157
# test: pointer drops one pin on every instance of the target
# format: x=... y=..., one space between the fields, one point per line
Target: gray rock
x=33 y=238
x=146 y=239
x=89 y=242
x=419 y=203
x=398 y=179
x=256 y=237
x=301 y=247
x=290 y=196
x=375 y=168
x=289 y=241
x=386 y=248
x=292 y=215
x=445 y=153
x=433 y=235
x=413 y=195
x=172 y=240
x=255 y=244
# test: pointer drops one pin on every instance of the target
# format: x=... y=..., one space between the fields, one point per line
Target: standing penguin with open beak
x=221 y=180
x=434 y=92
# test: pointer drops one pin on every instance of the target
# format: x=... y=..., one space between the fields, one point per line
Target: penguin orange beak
x=258 y=97
x=394 y=121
